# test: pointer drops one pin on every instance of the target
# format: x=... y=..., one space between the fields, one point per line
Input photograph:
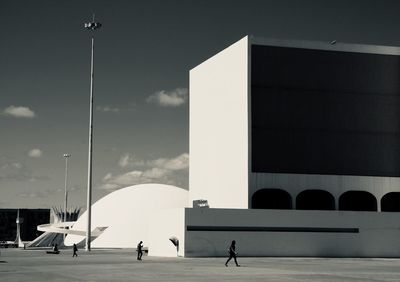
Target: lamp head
x=92 y=26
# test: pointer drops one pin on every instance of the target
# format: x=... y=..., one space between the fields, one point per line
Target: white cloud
x=163 y=170
x=35 y=153
x=129 y=178
x=173 y=98
x=116 y=109
x=108 y=176
x=178 y=163
x=11 y=170
x=126 y=179
x=126 y=160
x=108 y=109
x=19 y=112
x=155 y=173
x=110 y=186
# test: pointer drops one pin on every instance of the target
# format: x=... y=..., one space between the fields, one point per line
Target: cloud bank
x=173 y=171
x=127 y=160
x=11 y=170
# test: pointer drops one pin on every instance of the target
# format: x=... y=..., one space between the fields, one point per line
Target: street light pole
x=66 y=156
x=91 y=26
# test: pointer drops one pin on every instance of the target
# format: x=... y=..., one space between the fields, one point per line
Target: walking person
x=232 y=253
x=75 y=249
x=139 y=250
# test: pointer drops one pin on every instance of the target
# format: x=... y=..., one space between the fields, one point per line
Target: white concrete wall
x=163 y=225
x=219 y=129
x=379 y=233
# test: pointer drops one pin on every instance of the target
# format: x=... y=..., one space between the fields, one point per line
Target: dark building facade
x=324 y=126
x=325 y=112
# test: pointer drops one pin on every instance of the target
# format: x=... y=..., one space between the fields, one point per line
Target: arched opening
x=390 y=202
x=271 y=199
x=314 y=199
x=357 y=201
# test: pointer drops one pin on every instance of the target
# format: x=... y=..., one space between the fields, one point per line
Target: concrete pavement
x=121 y=265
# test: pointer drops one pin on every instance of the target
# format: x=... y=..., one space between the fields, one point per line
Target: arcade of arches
x=317 y=199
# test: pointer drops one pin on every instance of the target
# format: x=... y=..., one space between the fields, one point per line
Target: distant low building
x=29 y=220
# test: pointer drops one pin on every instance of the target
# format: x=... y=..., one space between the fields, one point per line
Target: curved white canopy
x=125 y=214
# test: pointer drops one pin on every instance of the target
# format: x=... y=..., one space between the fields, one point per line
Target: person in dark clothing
x=232 y=253
x=55 y=249
x=139 y=250
x=75 y=249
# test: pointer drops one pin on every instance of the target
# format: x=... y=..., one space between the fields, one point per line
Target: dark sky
x=144 y=49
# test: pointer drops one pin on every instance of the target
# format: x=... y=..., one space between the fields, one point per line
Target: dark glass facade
x=325 y=112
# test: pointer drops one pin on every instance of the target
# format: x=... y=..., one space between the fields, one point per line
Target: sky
x=143 y=55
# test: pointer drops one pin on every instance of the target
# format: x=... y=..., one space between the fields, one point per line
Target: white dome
x=126 y=213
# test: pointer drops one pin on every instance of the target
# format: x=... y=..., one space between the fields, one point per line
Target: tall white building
x=296 y=147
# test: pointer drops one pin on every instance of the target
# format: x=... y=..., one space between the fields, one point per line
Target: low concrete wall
x=208 y=232
x=163 y=225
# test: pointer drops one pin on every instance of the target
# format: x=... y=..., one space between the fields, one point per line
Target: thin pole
x=89 y=183
x=65 y=186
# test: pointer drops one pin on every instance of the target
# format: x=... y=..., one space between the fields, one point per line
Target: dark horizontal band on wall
x=272 y=229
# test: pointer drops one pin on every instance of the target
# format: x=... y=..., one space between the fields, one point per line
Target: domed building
x=123 y=217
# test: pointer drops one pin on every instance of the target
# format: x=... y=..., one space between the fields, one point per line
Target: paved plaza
x=121 y=265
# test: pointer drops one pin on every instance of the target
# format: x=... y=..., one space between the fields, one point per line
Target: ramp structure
x=54 y=232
